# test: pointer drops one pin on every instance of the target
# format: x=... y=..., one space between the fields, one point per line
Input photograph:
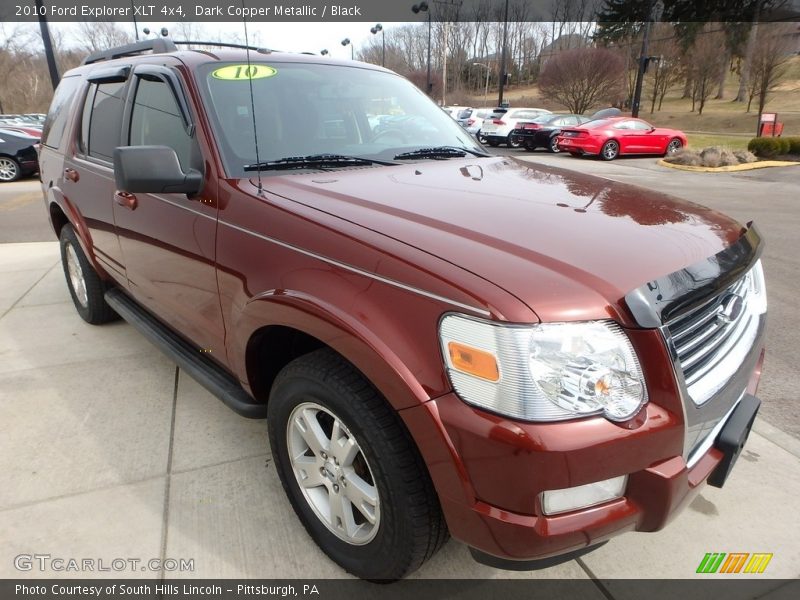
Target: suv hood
x=569 y=246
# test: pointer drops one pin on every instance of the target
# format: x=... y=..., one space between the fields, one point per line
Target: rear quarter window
x=58 y=116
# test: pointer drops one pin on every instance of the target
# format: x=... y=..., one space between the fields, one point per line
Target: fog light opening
x=583 y=496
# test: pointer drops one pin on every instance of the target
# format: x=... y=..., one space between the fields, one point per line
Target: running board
x=207 y=373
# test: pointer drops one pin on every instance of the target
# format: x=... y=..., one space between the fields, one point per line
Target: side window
x=640 y=126
x=156 y=120
x=86 y=115
x=570 y=121
x=58 y=115
x=102 y=120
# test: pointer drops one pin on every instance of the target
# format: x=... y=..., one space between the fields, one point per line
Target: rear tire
x=513 y=141
x=359 y=454
x=85 y=287
x=481 y=138
x=610 y=150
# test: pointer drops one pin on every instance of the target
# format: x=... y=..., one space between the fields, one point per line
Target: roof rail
x=222 y=45
x=157 y=45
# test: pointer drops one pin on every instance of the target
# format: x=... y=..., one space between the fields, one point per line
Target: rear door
x=88 y=180
x=168 y=240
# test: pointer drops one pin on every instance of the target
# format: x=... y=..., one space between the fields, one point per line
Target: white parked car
x=496 y=129
x=472 y=122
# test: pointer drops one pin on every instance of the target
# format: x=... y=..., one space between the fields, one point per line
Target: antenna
x=252 y=98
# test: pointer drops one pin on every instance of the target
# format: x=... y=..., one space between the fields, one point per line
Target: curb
x=764 y=164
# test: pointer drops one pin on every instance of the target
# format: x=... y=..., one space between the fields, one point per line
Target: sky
x=290 y=37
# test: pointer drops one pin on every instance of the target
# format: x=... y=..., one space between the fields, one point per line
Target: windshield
x=304 y=109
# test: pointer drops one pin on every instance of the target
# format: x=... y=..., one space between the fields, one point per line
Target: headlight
x=546 y=372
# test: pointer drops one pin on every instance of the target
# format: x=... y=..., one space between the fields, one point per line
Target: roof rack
x=222 y=45
x=157 y=45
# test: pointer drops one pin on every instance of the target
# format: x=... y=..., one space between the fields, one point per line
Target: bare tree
x=771 y=52
x=704 y=59
x=101 y=35
x=668 y=70
x=582 y=78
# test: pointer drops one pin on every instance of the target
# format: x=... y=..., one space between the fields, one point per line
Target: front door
x=168 y=240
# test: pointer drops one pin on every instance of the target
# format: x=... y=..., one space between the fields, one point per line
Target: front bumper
x=490 y=471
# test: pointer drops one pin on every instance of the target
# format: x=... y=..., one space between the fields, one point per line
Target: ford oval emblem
x=731 y=308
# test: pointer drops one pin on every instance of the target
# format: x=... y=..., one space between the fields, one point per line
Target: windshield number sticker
x=243 y=72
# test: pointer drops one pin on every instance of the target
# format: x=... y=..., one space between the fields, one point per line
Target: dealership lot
x=107 y=451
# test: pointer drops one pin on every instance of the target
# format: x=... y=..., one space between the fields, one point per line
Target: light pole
x=346 y=42
x=375 y=30
x=502 y=70
x=486 y=87
x=48 y=45
x=416 y=9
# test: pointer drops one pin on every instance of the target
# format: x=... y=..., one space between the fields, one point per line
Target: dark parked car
x=542 y=132
x=18 y=157
x=439 y=346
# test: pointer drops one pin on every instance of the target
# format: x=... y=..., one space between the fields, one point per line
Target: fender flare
x=336 y=328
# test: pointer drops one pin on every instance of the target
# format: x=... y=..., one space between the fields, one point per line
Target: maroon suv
x=444 y=342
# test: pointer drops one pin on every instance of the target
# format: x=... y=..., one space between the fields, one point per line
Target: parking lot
x=107 y=450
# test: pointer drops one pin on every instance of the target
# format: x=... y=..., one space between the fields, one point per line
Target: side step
x=207 y=373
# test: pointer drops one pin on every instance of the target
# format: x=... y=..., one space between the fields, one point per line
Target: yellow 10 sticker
x=243 y=72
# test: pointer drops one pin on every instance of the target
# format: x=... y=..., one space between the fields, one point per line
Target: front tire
x=610 y=150
x=85 y=286
x=9 y=169
x=351 y=470
x=674 y=145
x=553 y=146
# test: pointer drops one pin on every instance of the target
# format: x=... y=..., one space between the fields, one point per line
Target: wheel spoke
x=363 y=496
x=311 y=431
x=342 y=514
x=343 y=447
x=308 y=470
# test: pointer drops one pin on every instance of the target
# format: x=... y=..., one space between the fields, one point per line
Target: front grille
x=712 y=341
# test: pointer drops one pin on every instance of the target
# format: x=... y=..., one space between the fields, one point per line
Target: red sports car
x=609 y=138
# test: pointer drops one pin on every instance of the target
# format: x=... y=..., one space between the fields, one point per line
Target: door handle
x=126 y=200
x=72 y=175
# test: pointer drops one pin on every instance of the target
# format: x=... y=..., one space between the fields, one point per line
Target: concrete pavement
x=107 y=450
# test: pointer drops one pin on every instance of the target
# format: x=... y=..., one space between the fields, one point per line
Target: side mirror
x=155 y=170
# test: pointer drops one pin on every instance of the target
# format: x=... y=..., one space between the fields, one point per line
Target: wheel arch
x=286 y=326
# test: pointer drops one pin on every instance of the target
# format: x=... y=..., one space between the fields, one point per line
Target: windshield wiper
x=314 y=161
x=439 y=152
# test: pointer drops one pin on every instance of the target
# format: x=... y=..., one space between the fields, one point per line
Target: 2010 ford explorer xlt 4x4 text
x=443 y=342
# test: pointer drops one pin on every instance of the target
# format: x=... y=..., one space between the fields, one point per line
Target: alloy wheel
x=674 y=146
x=9 y=170
x=333 y=474
x=76 y=276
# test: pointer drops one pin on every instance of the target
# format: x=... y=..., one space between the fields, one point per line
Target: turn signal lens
x=473 y=361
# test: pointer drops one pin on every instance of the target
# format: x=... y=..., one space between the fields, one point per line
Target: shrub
x=711 y=157
x=744 y=156
x=794 y=144
x=686 y=157
x=769 y=147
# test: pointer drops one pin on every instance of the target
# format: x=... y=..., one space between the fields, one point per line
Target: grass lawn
x=698 y=141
